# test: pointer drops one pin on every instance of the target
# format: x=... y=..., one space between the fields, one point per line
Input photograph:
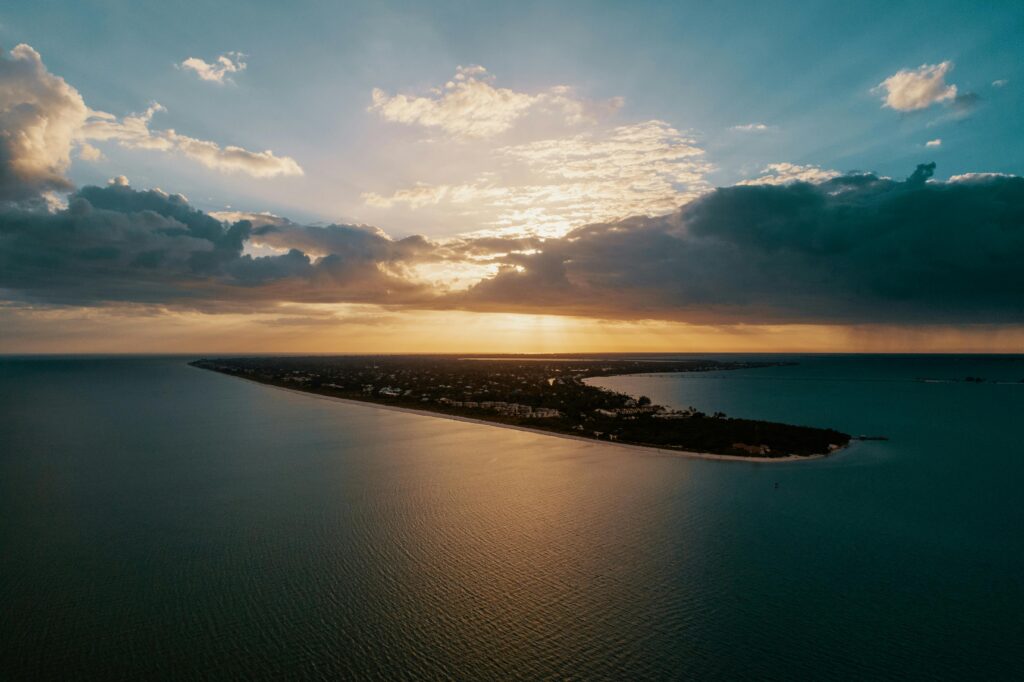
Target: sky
x=520 y=177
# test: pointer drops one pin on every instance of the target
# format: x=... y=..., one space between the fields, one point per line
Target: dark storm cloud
x=355 y=242
x=857 y=248
x=116 y=244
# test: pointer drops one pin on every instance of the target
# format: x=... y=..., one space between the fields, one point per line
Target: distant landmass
x=542 y=393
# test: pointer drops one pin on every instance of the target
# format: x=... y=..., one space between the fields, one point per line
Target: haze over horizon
x=528 y=178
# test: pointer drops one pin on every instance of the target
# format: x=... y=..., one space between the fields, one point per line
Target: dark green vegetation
x=542 y=392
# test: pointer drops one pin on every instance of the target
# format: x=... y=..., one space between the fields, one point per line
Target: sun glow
x=373 y=329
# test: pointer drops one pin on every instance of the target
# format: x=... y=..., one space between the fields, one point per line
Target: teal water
x=160 y=521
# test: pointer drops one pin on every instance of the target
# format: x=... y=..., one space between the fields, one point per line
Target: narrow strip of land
x=542 y=395
x=649 y=450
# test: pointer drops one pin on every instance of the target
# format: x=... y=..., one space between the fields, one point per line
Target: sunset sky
x=513 y=177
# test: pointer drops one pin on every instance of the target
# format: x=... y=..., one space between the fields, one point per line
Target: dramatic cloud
x=115 y=244
x=218 y=71
x=133 y=132
x=40 y=119
x=914 y=89
x=855 y=248
x=470 y=105
x=937 y=142
x=349 y=242
x=852 y=249
x=786 y=173
x=43 y=119
x=552 y=185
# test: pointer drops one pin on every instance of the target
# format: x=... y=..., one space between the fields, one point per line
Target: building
x=545 y=413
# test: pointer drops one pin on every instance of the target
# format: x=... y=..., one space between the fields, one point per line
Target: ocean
x=161 y=521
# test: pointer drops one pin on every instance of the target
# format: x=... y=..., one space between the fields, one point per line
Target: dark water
x=162 y=521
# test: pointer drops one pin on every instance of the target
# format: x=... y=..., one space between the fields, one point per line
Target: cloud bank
x=115 y=244
x=855 y=248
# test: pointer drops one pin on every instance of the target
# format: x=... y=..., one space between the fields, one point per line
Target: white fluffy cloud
x=470 y=106
x=40 y=118
x=43 y=118
x=937 y=142
x=752 y=128
x=218 y=71
x=133 y=132
x=914 y=89
x=786 y=173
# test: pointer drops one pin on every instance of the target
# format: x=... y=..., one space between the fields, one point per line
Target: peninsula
x=542 y=393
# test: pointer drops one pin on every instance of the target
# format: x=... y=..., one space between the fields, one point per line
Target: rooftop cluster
x=547 y=392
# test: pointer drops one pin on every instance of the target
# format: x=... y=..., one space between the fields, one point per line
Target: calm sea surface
x=161 y=521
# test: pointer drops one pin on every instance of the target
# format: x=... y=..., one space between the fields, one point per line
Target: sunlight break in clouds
x=640 y=169
x=914 y=89
x=546 y=181
x=217 y=72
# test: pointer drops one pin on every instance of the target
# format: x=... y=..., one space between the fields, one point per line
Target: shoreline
x=644 y=449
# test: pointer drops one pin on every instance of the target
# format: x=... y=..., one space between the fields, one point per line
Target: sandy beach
x=636 y=449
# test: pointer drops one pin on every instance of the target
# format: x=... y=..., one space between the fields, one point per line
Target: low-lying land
x=544 y=393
